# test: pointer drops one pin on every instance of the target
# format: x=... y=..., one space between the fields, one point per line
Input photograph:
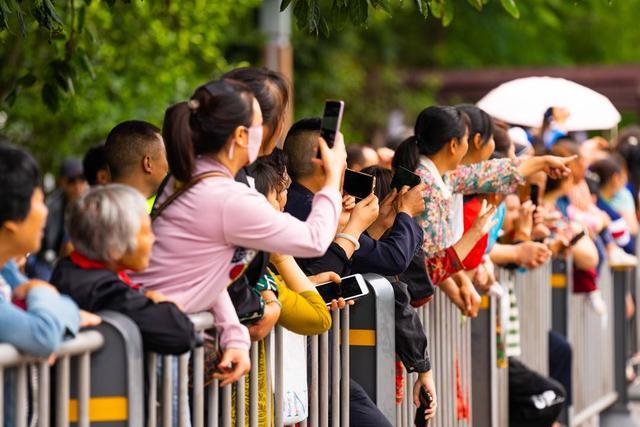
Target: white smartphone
x=351 y=287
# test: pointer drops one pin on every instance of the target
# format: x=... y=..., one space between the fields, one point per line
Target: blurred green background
x=62 y=90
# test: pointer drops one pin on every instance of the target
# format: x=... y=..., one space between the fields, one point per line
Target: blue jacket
x=40 y=329
x=388 y=256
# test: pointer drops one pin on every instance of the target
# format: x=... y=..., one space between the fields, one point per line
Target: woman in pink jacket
x=206 y=237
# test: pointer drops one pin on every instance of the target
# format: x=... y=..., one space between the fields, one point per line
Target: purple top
x=201 y=239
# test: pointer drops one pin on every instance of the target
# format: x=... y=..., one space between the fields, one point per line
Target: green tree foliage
x=382 y=67
x=130 y=61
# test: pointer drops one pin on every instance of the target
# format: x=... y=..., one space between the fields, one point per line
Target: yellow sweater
x=302 y=313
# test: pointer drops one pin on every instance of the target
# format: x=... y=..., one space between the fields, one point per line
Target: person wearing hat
x=55 y=242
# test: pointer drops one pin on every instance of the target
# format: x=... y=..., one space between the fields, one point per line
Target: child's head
x=271 y=178
x=442 y=131
x=481 y=143
x=611 y=175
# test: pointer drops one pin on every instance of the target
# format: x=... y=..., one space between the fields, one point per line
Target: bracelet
x=350 y=238
x=273 y=301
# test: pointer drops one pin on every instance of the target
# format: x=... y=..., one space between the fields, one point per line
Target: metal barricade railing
x=534 y=305
x=80 y=348
x=592 y=339
x=328 y=391
x=450 y=346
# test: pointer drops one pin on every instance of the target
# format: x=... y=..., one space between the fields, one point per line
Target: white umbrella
x=524 y=101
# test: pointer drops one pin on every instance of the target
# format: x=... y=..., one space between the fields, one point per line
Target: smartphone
x=535 y=194
x=358 y=184
x=331 y=121
x=404 y=177
x=575 y=239
x=425 y=403
x=351 y=287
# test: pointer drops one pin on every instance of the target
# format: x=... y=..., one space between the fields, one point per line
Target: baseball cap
x=71 y=168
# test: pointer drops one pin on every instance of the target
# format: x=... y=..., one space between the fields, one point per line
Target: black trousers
x=534 y=400
x=560 y=360
x=362 y=411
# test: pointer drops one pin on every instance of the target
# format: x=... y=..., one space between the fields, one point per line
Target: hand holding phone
x=404 y=177
x=358 y=184
x=349 y=288
x=331 y=120
x=425 y=404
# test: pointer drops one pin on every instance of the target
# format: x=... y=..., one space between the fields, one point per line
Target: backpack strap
x=157 y=210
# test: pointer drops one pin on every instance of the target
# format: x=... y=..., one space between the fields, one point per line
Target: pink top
x=201 y=236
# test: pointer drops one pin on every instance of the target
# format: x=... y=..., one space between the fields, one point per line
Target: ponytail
x=205 y=123
x=176 y=132
x=407 y=155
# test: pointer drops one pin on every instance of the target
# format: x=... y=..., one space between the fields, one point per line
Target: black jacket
x=164 y=328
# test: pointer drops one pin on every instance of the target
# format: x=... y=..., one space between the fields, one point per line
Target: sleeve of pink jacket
x=233 y=334
x=250 y=221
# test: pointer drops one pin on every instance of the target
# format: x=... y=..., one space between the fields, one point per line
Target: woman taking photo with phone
x=208 y=226
x=437 y=149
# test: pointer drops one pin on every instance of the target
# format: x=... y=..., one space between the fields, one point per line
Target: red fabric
x=471 y=211
x=443 y=264
x=462 y=406
x=399 y=382
x=584 y=281
x=88 y=264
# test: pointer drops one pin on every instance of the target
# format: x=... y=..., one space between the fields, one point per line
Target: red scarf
x=88 y=264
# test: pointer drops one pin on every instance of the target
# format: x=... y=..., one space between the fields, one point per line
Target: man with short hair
x=354 y=251
x=137 y=157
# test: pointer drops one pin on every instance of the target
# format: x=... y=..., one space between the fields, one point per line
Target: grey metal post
x=226 y=406
x=167 y=392
x=279 y=378
x=314 y=392
x=2 y=394
x=84 y=389
x=344 y=384
x=214 y=404
x=240 y=402
x=197 y=417
x=44 y=394
x=335 y=369
x=618 y=415
x=253 y=386
x=62 y=392
x=324 y=380
x=21 y=395
x=183 y=390
x=152 y=402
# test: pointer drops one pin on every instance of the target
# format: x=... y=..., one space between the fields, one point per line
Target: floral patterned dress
x=492 y=176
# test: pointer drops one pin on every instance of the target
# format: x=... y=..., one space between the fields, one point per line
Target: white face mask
x=254 y=144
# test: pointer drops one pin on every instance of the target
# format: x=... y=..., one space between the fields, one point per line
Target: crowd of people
x=206 y=214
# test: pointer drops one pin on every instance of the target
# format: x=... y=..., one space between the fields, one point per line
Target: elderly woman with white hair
x=111 y=233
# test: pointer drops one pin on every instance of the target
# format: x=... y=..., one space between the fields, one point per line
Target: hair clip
x=193 y=104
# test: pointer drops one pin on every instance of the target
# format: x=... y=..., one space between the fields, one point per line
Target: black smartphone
x=425 y=403
x=402 y=177
x=350 y=287
x=575 y=239
x=331 y=121
x=358 y=184
x=535 y=194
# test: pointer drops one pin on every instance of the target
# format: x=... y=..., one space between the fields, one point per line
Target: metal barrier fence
x=589 y=334
x=80 y=348
x=534 y=304
x=450 y=346
x=327 y=386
